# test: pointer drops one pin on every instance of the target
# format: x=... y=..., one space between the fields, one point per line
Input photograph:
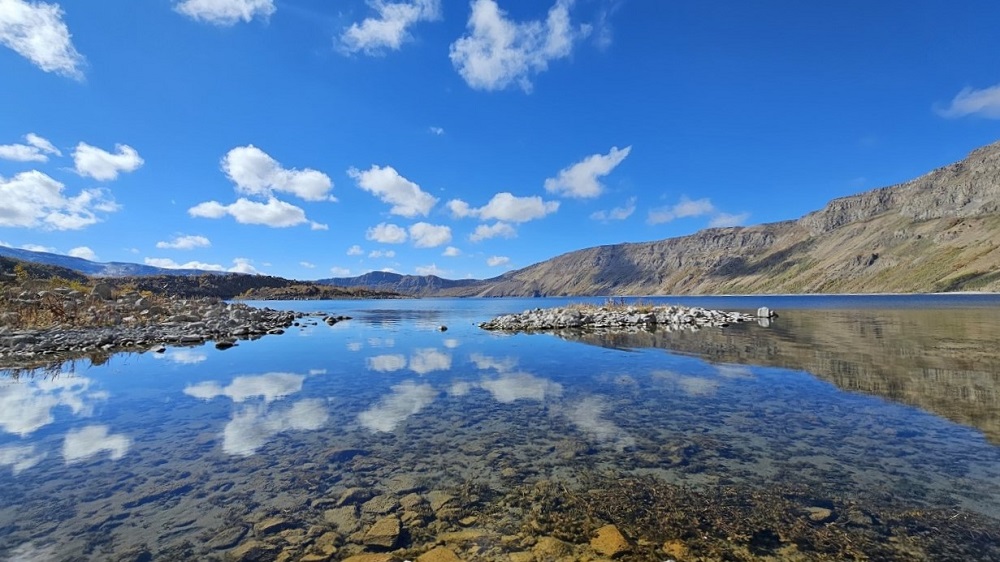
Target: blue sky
x=319 y=138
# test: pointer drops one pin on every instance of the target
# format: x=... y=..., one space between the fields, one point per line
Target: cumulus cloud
x=167 y=263
x=269 y=387
x=386 y=233
x=505 y=207
x=617 y=213
x=485 y=232
x=406 y=197
x=406 y=399
x=971 y=101
x=307 y=265
x=582 y=179
x=80 y=445
x=38 y=248
x=82 y=252
x=425 y=235
x=253 y=426
x=37 y=149
x=431 y=269
x=451 y=252
x=496 y=261
x=727 y=219
x=20 y=458
x=33 y=199
x=436 y=130
x=355 y=250
x=255 y=173
x=274 y=213
x=340 y=271
x=390 y=29
x=382 y=254
x=103 y=165
x=685 y=208
x=226 y=12
x=36 y=31
x=243 y=265
x=185 y=243
x=498 y=52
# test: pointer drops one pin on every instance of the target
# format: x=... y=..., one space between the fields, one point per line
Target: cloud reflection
x=20 y=457
x=26 y=406
x=425 y=361
x=254 y=426
x=270 y=387
x=588 y=416
x=182 y=356
x=692 y=386
x=451 y=343
x=80 y=445
x=386 y=363
x=406 y=399
x=520 y=386
x=486 y=362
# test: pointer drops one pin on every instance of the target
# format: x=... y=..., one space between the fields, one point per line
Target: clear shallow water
x=725 y=444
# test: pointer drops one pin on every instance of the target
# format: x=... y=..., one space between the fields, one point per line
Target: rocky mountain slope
x=939 y=232
x=415 y=285
x=97 y=269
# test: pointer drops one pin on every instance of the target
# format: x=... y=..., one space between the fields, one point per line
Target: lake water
x=849 y=428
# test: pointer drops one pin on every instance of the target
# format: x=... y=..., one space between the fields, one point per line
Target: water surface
x=850 y=427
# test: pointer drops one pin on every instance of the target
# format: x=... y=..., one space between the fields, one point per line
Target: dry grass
x=46 y=306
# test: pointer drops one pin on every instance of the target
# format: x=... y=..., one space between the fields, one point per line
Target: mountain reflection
x=255 y=424
x=947 y=363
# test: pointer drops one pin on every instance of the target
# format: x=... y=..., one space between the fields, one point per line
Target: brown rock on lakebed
x=384 y=533
x=610 y=542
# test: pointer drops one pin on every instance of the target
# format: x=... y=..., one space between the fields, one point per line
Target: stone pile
x=616 y=317
x=99 y=322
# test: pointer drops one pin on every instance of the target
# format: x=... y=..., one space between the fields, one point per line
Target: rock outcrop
x=613 y=317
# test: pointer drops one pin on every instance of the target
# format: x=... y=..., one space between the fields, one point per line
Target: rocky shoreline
x=619 y=317
x=98 y=323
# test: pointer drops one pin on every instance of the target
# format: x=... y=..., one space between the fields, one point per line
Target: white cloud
x=520 y=386
x=386 y=363
x=255 y=173
x=505 y=207
x=82 y=252
x=428 y=360
x=425 y=235
x=970 y=101
x=386 y=233
x=485 y=232
x=243 y=265
x=495 y=261
x=167 y=263
x=307 y=265
x=38 y=149
x=451 y=252
x=581 y=179
x=340 y=271
x=617 y=213
x=498 y=52
x=253 y=426
x=226 y=12
x=436 y=130
x=727 y=219
x=102 y=165
x=685 y=208
x=355 y=250
x=185 y=243
x=26 y=406
x=38 y=248
x=36 y=31
x=318 y=226
x=274 y=213
x=269 y=387
x=406 y=197
x=382 y=254
x=431 y=269
x=33 y=199
x=390 y=29
x=407 y=399
x=20 y=458
x=80 y=445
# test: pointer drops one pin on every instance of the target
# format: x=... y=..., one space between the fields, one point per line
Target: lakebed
x=386 y=437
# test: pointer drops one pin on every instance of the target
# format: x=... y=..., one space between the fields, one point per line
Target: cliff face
x=939 y=232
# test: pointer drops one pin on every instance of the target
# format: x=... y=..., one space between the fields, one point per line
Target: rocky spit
x=100 y=323
x=618 y=317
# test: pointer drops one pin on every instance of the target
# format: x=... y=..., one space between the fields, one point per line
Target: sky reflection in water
x=391 y=383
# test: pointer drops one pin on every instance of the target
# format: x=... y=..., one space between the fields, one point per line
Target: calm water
x=850 y=428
